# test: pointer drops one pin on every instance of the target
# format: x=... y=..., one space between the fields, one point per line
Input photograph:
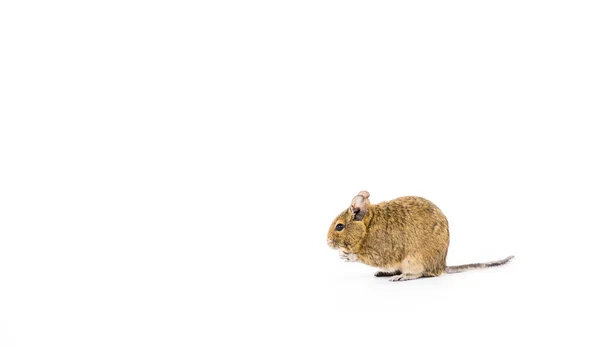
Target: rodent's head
x=348 y=228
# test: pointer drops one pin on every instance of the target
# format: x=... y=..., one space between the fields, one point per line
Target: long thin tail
x=467 y=267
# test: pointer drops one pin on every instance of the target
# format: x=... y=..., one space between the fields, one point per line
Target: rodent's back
x=406 y=226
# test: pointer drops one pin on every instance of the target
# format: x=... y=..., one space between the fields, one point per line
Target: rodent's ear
x=358 y=207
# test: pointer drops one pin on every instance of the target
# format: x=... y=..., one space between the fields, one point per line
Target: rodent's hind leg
x=405 y=277
x=411 y=267
x=387 y=273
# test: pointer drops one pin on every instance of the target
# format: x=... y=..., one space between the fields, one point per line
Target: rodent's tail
x=467 y=267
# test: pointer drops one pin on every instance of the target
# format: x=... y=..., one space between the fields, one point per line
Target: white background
x=169 y=170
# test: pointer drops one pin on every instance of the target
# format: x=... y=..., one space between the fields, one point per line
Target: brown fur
x=408 y=235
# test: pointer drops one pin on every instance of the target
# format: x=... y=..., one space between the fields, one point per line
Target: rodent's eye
x=339 y=227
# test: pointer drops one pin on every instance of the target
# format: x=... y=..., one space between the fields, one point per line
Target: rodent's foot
x=347 y=256
x=387 y=274
x=404 y=277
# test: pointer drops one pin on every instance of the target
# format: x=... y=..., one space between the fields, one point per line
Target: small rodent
x=407 y=238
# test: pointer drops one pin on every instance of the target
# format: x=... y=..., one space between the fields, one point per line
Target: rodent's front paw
x=347 y=256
